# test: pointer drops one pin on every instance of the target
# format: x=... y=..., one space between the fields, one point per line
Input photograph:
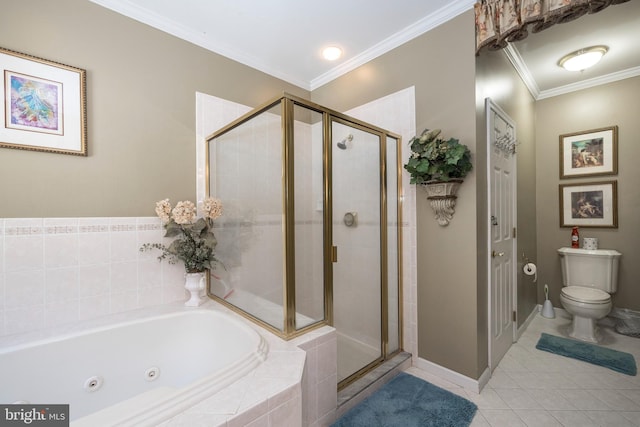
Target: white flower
x=184 y=212
x=163 y=210
x=212 y=208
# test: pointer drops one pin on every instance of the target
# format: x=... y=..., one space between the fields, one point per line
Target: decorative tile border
x=85 y=226
x=22 y=231
x=61 y=229
x=93 y=229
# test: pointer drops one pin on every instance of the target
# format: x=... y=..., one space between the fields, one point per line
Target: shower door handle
x=334 y=254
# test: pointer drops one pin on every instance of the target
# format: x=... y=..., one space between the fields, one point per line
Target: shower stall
x=311 y=231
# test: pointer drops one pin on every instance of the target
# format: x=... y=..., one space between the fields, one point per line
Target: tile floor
x=535 y=388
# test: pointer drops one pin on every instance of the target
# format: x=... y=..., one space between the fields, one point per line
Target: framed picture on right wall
x=589 y=153
x=593 y=204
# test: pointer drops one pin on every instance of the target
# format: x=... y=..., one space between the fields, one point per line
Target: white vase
x=194 y=283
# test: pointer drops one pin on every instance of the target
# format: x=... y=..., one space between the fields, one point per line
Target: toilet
x=588 y=279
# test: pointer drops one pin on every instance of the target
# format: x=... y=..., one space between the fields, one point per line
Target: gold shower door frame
x=287 y=103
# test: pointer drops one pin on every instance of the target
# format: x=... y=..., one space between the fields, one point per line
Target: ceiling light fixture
x=582 y=59
x=331 y=53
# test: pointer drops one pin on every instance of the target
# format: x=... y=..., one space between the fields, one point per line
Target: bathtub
x=136 y=372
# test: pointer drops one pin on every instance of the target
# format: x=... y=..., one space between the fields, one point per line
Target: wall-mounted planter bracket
x=442 y=198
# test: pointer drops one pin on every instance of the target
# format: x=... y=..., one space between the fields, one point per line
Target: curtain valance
x=502 y=21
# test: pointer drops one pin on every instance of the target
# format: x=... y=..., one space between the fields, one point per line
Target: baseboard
x=532 y=316
x=453 y=376
x=483 y=380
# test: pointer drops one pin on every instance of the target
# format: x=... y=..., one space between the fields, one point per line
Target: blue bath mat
x=602 y=356
x=408 y=401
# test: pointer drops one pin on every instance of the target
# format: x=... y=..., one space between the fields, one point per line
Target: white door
x=502 y=232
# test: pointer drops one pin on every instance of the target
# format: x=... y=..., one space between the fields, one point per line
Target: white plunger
x=547 y=308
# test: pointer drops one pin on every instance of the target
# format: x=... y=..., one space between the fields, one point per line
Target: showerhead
x=343 y=144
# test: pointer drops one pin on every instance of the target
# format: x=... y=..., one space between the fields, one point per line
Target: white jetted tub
x=137 y=372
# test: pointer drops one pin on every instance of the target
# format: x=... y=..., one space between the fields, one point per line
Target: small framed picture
x=589 y=153
x=593 y=204
x=43 y=105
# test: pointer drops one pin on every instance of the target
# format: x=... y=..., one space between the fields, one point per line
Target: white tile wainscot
x=60 y=270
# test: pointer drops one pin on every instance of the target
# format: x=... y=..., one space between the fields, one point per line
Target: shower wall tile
x=60 y=313
x=23 y=251
x=60 y=270
x=124 y=277
x=23 y=319
x=93 y=280
x=95 y=306
x=93 y=247
x=61 y=285
x=60 y=250
x=123 y=240
x=149 y=275
x=24 y=289
x=124 y=301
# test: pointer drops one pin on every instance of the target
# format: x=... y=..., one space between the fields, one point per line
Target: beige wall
x=141 y=102
x=612 y=104
x=141 y=86
x=497 y=79
x=451 y=295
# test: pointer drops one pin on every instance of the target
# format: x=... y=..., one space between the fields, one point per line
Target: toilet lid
x=583 y=294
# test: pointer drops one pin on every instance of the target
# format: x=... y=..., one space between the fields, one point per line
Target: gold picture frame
x=44 y=105
x=589 y=153
x=593 y=204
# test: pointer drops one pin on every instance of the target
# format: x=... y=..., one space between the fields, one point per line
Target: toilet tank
x=590 y=268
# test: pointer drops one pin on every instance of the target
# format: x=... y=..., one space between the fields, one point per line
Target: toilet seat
x=585 y=295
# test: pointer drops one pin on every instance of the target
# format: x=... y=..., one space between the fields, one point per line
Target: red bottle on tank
x=575 y=238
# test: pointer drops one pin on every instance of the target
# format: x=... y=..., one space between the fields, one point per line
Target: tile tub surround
x=295 y=386
x=271 y=395
x=63 y=270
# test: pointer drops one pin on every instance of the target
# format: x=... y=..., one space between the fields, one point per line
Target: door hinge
x=514 y=316
x=514 y=232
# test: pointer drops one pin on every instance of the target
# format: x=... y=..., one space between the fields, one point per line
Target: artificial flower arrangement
x=434 y=158
x=195 y=243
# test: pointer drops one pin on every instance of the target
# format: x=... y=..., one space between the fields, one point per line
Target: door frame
x=490 y=105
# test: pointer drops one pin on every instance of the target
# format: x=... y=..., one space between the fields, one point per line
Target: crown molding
x=586 y=84
x=521 y=68
x=527 y=78
x=414 y=30
x=145 y=16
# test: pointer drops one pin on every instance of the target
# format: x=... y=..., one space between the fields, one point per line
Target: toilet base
x=584 y=329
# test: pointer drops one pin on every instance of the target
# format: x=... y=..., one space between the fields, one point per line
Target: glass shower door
x=357 y=289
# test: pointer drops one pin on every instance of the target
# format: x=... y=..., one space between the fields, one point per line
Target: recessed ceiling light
x=582 y=59
x=331 y=53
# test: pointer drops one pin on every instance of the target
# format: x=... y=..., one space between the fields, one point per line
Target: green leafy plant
x=435 y=159
x=195 y=242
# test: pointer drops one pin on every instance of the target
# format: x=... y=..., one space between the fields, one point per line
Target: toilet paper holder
x=529 y=268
